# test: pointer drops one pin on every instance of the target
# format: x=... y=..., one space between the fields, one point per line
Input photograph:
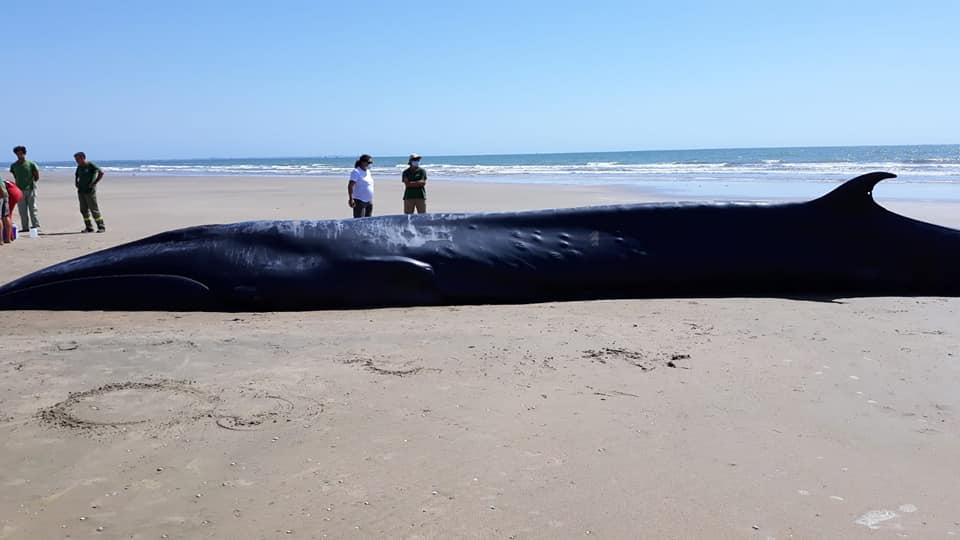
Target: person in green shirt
x=26 y=175
x=415 y=180
x=86 y=179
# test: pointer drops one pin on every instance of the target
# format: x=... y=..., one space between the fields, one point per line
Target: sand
x=714 y=418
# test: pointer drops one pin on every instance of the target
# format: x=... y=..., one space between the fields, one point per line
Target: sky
x=211 y=78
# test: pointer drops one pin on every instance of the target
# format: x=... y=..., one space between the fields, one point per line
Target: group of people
x=23 y=191
x=26 y=176
x=360 y=187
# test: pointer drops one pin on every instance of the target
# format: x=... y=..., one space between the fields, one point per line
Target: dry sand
x=719 y=418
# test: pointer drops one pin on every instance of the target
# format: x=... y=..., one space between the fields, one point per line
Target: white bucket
x=34 y=232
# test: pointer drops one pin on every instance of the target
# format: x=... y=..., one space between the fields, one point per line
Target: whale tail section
x=119 y=292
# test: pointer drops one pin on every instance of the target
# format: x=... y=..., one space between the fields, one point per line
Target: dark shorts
x=362 y=209
x=5 y=208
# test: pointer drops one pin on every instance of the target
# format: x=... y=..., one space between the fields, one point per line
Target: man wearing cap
x=415 y=180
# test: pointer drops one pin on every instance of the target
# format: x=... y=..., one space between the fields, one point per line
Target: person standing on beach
x=415 y=180
x=360 y=188
x=87 y=177
x=27 y=175
x=13 y=197
x=6 y=224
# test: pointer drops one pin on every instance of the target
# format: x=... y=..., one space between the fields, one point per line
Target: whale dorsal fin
x=855 y=192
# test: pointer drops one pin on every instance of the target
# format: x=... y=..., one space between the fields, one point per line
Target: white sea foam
x=944 y=171
x=720 y=170
x=933 y=169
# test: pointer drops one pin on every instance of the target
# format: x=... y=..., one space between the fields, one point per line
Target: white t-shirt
x=364 y=189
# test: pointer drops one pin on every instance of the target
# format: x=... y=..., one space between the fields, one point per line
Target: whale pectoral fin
x=121 y=292
x=359 y=282
x=856 y=192
x=397 y=270
x=409 y=281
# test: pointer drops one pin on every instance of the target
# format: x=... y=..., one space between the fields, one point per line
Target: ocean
x=925 y=171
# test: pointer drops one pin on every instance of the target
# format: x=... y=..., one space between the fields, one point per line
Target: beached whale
x=842 y=244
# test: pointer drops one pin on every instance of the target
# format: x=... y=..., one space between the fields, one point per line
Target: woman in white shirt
x=360 y=188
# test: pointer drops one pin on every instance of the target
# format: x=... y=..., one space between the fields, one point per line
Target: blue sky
x=213 y=78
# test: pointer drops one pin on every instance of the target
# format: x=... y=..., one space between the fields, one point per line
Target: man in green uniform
x=415 y=180
x=87 y=177
x=26 y=175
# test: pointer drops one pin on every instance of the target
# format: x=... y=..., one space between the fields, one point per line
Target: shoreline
x=666 y=187
x=931 y=162
x=674 y=190
x=939 y=211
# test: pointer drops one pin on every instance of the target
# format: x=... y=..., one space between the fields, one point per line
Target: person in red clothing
x=4 y=214
x=13 y=197
x=15 y=194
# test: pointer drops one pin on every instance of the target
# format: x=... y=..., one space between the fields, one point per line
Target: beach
x=669 y=418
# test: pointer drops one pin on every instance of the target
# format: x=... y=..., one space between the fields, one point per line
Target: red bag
x=15 y=194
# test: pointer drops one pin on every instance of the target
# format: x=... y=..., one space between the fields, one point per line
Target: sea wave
x=922 y=163
x=931 y=170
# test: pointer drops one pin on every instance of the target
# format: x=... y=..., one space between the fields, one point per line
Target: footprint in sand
x=125 y=404
x=385 y=367
x=149 y=405
x=644 y=361
x=251 y=410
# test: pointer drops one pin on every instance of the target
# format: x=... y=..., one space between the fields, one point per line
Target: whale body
x=840 y=245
